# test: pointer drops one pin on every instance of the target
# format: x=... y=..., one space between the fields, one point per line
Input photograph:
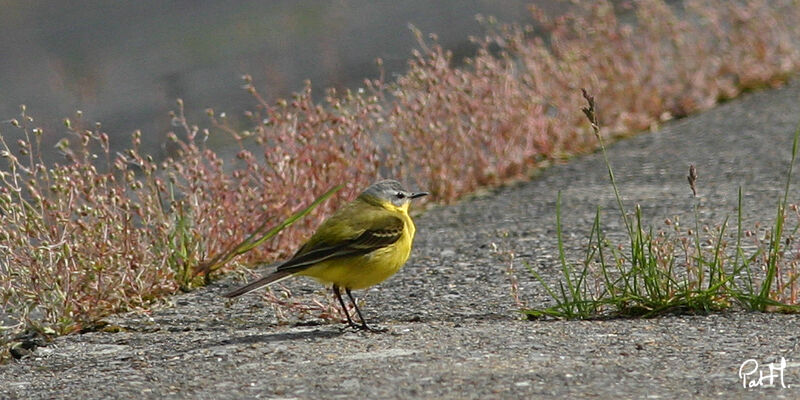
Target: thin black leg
x=363 y=325
x=344 y=308
x=360 y=316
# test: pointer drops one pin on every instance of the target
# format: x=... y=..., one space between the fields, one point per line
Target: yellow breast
x=359 y=272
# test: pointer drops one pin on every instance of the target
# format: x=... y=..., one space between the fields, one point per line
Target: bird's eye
x=400 y=195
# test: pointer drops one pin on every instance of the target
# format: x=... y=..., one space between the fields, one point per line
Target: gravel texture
x=453 y=332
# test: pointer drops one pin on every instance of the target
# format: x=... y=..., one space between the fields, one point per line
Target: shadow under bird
x=362 y=244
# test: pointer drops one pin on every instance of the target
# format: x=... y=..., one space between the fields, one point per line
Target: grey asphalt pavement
x=453 y=331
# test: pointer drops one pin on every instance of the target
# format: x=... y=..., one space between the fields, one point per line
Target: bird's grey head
x=389 y=190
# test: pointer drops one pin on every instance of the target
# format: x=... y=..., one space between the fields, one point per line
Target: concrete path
x=453 y=332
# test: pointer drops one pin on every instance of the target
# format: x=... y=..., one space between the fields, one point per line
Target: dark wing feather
x=389 y=231
x=375 y=233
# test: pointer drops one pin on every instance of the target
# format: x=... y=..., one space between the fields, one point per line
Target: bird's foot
x=364 y=327
x=373 y=329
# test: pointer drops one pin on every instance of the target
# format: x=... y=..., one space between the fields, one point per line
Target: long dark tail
x=271 y=278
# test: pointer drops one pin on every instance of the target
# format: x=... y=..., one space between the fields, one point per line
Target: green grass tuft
x=644 y=277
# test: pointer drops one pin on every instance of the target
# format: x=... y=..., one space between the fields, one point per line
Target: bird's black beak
x=415 y=195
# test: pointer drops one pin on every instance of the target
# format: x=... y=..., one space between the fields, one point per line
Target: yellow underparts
x=363 y=271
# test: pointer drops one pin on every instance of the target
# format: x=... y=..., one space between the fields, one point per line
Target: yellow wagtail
x=364 y=242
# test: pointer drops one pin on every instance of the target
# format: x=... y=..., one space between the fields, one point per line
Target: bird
x=361 y=244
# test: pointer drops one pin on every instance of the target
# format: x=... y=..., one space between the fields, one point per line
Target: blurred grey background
x=125 y=62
